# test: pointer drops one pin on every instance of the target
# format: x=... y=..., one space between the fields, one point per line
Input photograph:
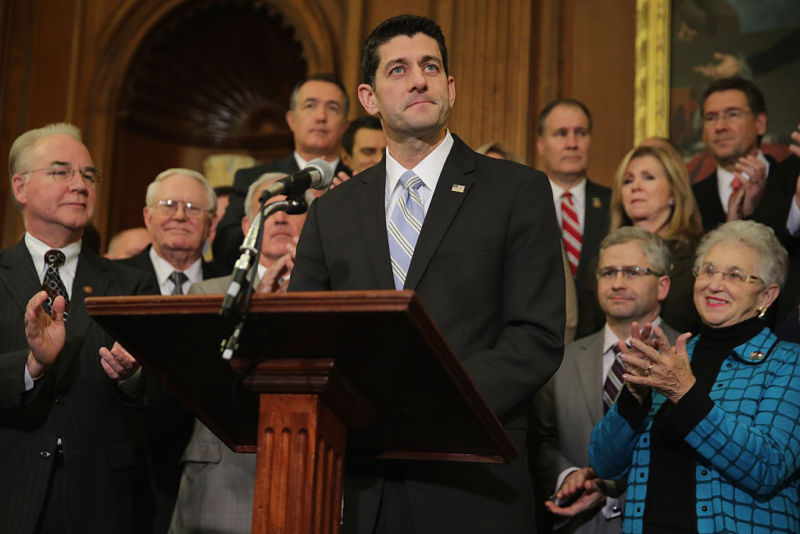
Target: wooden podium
x=316 y=374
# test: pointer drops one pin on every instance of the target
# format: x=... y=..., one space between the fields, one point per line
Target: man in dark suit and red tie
x=476 y=239
x=565 y=139
x=67 y=462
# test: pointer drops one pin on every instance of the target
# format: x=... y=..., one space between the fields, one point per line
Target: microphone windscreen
x=325 y=172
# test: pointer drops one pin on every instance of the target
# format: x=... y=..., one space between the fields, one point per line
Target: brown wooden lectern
x=364 y=371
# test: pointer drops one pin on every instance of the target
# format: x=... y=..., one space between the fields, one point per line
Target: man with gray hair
x=68 y=461
x=630 y=287
x=317 y=117
x=179 y=207
x=217 y=484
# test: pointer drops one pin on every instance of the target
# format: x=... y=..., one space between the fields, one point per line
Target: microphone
x=318 y=174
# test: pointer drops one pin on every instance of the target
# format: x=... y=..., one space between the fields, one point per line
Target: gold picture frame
x=651 y=91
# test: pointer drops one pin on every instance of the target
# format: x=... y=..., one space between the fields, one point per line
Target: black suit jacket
x=142 y=261
x=229 y=229
x=773 y=209
x=595 y=229
x=73 y=400
x=488 y=268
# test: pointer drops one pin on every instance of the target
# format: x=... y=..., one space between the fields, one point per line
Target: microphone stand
x=292 y=206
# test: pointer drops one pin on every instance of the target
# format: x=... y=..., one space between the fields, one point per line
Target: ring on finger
x=649 y=369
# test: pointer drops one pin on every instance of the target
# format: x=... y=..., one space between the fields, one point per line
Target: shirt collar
x=163 y=269
x=428 y=170
x=38 y=248
x=302 y=164
x=610 y=338
x=578 y=191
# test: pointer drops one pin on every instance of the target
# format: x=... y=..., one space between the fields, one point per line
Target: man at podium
x=476 y=238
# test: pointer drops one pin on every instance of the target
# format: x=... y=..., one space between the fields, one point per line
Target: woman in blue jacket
x=708 y=430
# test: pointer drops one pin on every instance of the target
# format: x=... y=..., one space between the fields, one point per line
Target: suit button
x=704 y=472
x=45 y=454
x=59 y=400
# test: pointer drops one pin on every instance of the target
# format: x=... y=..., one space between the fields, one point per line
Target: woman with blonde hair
x=651 y=191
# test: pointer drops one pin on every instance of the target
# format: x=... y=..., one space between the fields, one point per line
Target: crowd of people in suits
x=671 y=383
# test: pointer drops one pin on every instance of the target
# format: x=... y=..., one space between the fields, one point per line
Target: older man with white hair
x=179 y=208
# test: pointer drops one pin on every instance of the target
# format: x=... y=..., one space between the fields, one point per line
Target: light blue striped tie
x=404 y=226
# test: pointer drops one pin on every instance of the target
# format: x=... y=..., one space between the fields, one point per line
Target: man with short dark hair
x=68 y=461
x=746 y=184
x=363 y=144
x=476 y=239
x=631 y=284
x=564 y=142
x=317 y=117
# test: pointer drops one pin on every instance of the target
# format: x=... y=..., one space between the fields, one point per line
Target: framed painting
x=682 y=45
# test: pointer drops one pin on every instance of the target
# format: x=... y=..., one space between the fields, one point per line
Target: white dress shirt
x=163 y=269
x=428 y=170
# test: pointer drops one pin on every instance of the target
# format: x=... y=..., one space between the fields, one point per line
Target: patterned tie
x=52 y=282
x=570 y=231
x=404 y=226
x=614 y=382
x=177 y=278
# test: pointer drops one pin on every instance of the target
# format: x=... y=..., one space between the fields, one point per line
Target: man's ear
x=366 y=95
x=19 y=187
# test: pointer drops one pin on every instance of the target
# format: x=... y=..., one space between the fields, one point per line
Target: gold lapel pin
x=88 y=290
x=596 y=202
x=457 y=188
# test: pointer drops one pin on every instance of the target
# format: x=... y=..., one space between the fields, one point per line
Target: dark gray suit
x=488 y=268
x=74 y=400
x=567 y=409
x=217 y=484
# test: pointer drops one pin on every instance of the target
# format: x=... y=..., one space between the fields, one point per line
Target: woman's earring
x=761 y=311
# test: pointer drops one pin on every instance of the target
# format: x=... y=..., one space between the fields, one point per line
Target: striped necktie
x=178 y=279
x=404 y=226
x=570 y=231
x=614 y=382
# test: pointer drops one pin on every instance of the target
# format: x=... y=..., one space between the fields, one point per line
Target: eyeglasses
x=729 y=115
x=170 y=207
x=62 y=172
x=707 y=272
x=629 y=272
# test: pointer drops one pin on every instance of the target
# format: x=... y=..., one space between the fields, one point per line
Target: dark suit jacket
x=595 y=229
x=567 y=409
x=164 y=427
x=229 y=229
x=488 y=268
x=773 y=209
x=73 y=400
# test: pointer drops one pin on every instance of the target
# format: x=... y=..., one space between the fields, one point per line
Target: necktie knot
x=566 y=196
x=178 y=279
x=410 y=181
x=54 y=258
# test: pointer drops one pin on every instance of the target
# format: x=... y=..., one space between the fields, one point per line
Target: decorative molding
x=651 y=81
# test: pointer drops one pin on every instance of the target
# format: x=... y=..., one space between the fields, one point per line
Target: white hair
x=152 y=189
x=264 y=179
x=17 y=156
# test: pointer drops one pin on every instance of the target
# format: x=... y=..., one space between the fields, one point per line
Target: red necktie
x=736 y=184
x=570 y=231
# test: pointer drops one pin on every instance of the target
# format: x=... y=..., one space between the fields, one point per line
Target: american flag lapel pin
x=457 y=188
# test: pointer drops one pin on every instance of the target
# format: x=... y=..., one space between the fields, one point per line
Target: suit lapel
x=373 y=215
x=18 y=273
x=443 y=208
x=590 y=374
